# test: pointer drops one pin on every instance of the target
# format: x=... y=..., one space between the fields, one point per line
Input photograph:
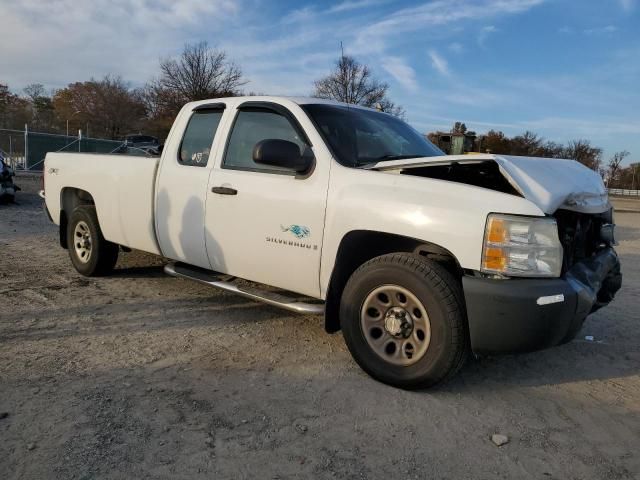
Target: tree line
x=530 y=144
x=111 y=108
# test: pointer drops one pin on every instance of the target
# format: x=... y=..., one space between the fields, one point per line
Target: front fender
x=443 y=213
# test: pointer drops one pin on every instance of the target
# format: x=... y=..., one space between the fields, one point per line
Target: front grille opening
x=580 y=235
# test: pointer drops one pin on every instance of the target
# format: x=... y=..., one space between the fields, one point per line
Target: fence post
x=79 y=140
x=26 y=146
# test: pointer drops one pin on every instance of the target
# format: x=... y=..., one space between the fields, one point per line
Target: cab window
x=198 y=138
x=252 y=126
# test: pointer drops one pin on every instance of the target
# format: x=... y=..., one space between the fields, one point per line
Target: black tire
x=440 y=294
x=103 y=254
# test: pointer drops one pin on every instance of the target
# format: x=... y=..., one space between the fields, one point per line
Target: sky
x=563 y=69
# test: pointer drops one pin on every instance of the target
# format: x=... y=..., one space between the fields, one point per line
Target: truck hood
x=550 y=183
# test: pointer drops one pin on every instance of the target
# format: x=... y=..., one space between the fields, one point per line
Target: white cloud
x=354 y=5
x=74 y=40
x=439 y=63
x=484 y=33
x=300 y=15
x=627 y=5
x=601 y=30
x=456 y=47
x=565 y=29
x=401 y=71
x=438 y=13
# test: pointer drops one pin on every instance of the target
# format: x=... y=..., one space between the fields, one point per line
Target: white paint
x=237 y=226
x=230 y=233
x=122 y=188
x=550 y=183
x=180 y=199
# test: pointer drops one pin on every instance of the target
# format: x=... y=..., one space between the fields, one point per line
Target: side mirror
x=284 y=154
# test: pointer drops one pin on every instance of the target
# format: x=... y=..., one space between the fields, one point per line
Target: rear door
x=262 y=223
x=181 y=187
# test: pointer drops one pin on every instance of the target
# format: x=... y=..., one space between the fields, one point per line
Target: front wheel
x=90 y=253
x=403 y=320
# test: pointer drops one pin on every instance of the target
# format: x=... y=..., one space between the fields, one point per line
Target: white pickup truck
x=418 y=257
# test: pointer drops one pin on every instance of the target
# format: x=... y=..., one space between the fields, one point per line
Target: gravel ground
x=140 y=375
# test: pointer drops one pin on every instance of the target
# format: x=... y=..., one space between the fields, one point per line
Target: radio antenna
x=344 y=79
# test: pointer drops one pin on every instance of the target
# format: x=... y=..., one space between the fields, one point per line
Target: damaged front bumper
x=520 y=315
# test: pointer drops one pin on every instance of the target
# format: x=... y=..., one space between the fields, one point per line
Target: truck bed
x=122 y=188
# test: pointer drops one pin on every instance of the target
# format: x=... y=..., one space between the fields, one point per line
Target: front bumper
x=520 y=315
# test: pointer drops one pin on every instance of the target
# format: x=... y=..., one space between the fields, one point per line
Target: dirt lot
x=139 y=375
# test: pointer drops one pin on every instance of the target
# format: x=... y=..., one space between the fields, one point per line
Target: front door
x=181 y=188
x=265 y=224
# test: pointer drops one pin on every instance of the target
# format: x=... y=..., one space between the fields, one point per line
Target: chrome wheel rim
x=396 y=325
x=82 y=241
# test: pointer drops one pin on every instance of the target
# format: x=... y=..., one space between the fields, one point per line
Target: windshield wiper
x=397 y=157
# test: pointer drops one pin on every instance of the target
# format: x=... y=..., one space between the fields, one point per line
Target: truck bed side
x=122 y=188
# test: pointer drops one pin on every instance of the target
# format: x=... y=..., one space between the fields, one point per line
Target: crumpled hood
x=550 y=183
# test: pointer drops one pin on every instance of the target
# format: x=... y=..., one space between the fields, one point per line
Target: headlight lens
x=521 y=246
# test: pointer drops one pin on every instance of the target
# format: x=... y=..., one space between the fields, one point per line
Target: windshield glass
x=358 y=137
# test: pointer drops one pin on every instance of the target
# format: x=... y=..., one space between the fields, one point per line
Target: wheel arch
x=360 y=246
x=70 y=199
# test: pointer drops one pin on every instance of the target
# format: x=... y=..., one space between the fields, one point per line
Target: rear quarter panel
x=122 y=188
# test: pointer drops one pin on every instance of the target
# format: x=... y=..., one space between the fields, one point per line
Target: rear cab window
x=195 y=147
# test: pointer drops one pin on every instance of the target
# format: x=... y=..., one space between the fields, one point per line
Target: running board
x=225 y=282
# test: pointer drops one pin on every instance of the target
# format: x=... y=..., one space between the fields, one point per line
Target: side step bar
x=225 y=282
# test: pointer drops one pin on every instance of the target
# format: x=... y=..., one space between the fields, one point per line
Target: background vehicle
x=8 y=189
x=143 y=143
x=419 y=258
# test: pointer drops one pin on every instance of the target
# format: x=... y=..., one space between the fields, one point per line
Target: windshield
x=358 y=137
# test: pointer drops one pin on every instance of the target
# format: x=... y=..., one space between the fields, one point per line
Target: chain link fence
x=12 y=148
x=25 y=150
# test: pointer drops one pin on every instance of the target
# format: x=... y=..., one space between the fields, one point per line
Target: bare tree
x=353 y=82
x=583 y=152
x=390 y=107
x=200 y=73
x=34 y=91
x=42 y=110
x=613 y=167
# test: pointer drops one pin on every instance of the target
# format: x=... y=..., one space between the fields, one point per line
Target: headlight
x=521 y=246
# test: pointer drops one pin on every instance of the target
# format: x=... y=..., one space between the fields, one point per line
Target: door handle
x=224 y=190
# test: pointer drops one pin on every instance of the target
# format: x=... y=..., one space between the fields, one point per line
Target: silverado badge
x=298 y=231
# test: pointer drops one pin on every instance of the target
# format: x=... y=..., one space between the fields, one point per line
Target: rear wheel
x=90 y=253
x=403 y=320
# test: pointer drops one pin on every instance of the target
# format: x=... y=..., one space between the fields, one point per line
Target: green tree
x=459 y=127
